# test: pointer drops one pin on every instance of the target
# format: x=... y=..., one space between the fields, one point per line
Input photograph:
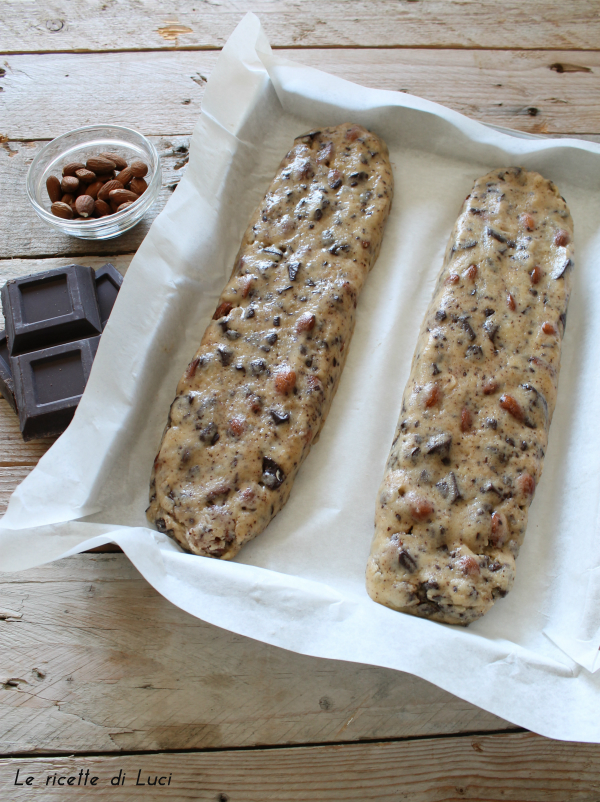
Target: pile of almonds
x=105 y=184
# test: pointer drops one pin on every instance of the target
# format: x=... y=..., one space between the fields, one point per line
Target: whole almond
x=85 y=175
x=85 y=205
x=63 y=210
x=125 y=205
x=119 y=161
x=71 y=169
x=108 y=187
x=98 y=164
x=93 y=189
x=138 y=168
x=125 y=176
x=138 y=185
x=69 y=183
x=101 y=208
x=119 y=196
x=54 y=188
x=68 y=198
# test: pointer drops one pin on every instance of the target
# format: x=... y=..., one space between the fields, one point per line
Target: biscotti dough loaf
x=473 y=430
x=255 y=396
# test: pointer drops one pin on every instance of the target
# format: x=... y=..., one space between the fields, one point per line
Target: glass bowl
x=78 y=146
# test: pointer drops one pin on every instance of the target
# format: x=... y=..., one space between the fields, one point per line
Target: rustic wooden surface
x=88 y=25
x=518 y=767
x=99 y=672
x=93 y=659
x=513 y=88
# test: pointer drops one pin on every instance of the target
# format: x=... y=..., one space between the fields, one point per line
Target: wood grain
x=509 y=88
x=519 y=767
x=503 y=88
x=87 y=25
x=13 y=474
x=93 y=659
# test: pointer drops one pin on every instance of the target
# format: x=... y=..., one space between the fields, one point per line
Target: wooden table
x=99 y=672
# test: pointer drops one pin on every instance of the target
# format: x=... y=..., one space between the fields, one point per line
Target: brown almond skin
x=54 y=189
x=69 y=184
x=98 y=164
x=138 y=168
x=63 y=210
x=85 y=175
x=119 y=196
x=108 y=187
x=101 y=208
x=125 y=205
x=85 y=205
x=119 y=161
x=125 y=176
x=138 y=185
x=68 y=198
x=93 y=189
x=71 y=169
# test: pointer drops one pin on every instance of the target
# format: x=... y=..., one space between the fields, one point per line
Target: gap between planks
x=92 y=658
x=270 y=747
x=304 y=48
x=82 y=26
x=517 y=767
x=513 y=89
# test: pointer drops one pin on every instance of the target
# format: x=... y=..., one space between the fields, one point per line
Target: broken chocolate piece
x=272 y=475
x=491 y=329
x=279 y=416
x=49 y=384
x=439 y=444
x=407 y=561
x=55 y=304
x=49 y=308
x=108 y=284
x=7 y=386
x=448 y=487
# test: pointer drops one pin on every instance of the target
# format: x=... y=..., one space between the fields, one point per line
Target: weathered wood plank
x=504 y=88
x=93 y=659
x=508 y=88
x=519 y=767
x=514 y=89
x=12 y=475
x=86 y=25
x=14 y=452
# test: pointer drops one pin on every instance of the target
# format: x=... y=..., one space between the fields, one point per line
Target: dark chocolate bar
x=49 y=384
x=52 y=307
x=7 y=386
x=42 y=381
x=108 y=284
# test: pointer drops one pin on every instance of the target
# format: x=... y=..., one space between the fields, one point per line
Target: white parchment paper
x=300 y=585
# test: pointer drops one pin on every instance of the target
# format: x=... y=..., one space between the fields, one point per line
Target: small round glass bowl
x=78 y=146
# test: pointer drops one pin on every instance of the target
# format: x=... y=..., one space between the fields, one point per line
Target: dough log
x=254 y=397
x=470 y=443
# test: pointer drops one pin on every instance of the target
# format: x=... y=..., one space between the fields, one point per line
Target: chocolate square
x=108 y=284
x=51 y=307
x=49 y=384
x=7 y=386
